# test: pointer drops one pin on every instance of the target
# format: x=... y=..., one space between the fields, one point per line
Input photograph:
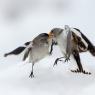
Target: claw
x=56 y=61
x=78 y=71
x=59 y=59
x=89 y=73
x=31 y=75
x=67 y=59
x=75 y=71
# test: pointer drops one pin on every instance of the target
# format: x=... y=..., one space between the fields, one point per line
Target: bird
x=37 y=49
x=62 y=38
x=72 y=41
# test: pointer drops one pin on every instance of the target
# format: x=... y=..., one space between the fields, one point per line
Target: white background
x=21 y=21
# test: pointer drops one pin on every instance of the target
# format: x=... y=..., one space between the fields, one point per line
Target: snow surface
x=21 y=21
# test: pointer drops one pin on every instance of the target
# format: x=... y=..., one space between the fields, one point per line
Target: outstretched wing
x=18 y=50
x=91 y=47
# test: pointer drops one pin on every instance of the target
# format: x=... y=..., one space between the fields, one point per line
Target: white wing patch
x=79 y=34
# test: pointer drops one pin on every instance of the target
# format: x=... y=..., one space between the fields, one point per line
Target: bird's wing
x=28 y=49
x=91 y=47
x=69 y=41
x=69 y=44
x=18 y=50
x=80 y=42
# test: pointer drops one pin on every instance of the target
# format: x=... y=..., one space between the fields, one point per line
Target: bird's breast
x=62 y=42
x=39 y=53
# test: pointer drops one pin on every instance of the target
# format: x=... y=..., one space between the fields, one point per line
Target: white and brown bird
x=72 y=42
x=37 y=49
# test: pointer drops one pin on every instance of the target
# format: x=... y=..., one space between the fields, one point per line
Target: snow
x=21 y=21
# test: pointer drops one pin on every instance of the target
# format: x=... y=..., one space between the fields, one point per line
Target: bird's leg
x=80 y=68
x=31 y=74
x=51 y=48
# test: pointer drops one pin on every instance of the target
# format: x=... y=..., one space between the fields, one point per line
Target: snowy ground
x=21 y=22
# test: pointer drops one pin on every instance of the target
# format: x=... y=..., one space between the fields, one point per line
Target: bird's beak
x=51 y=35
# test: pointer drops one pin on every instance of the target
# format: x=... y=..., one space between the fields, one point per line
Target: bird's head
x=55 y=32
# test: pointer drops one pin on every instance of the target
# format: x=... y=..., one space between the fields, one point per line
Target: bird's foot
x=79 y=71
x=31 y=75
x=67 y=58
x=56 y=61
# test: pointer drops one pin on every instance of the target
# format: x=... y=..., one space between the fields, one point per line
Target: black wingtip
x=5 y=55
